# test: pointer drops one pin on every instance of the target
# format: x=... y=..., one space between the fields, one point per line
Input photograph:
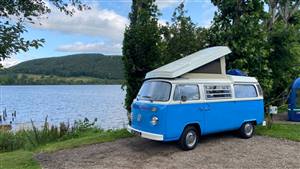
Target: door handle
x=203 y=108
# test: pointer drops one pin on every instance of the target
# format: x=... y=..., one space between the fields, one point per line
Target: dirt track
x=217 y=151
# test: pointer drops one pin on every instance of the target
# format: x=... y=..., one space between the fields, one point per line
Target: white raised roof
x=213 y=78
x=189 y=63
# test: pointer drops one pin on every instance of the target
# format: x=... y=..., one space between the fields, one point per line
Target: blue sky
x=99 y=30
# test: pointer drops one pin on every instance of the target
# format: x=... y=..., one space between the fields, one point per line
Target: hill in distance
x=91 y=65
x=71 y=69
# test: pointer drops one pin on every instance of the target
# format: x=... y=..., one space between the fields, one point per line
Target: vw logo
x=139 y=117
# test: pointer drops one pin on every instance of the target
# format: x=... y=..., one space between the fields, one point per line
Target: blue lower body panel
x=210 y=117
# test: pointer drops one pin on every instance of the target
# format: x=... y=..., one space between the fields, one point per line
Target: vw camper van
x=194 y=96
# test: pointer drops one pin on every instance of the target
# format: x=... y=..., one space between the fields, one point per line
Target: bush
x=80 y=126
x=11 y=141
x=32 y=138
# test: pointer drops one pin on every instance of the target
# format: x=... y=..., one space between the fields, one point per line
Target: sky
x=99 y=30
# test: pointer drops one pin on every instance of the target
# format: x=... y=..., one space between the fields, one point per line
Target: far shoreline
x=41 y=79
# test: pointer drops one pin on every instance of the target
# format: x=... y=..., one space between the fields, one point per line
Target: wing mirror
x=183 y=98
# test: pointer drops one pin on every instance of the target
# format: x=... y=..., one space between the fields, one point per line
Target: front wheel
x=247 y=130
x=189 y=138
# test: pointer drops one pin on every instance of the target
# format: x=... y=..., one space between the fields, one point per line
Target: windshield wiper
x=148 y=97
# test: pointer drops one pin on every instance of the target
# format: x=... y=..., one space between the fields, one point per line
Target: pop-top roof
x=189 y=63
x=213 y=78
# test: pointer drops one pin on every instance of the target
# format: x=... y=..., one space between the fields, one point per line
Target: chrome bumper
x=151 y=136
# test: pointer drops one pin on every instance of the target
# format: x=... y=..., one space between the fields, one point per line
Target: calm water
x=63 y=103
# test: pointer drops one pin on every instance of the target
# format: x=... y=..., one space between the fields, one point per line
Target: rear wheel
x=247 y=130
x=189 y=138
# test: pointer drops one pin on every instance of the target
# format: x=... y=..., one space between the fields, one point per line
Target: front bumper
x=151 y=136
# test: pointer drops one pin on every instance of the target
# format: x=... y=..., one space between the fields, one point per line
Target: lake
x=64 y=103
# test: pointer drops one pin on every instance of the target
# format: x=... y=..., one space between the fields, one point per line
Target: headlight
x=154 y=120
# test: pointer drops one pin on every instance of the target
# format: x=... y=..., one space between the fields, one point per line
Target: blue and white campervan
x=194 y=96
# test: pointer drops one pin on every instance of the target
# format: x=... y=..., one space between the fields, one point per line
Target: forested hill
x=91 y=65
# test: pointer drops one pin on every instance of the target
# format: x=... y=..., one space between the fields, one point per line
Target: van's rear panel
x=230 y=115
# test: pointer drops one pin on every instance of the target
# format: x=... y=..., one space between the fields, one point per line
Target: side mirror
x=183 y=98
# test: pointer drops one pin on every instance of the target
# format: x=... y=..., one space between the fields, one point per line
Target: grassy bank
x=25 y=158
x=283 y=131
x=35 y=79
x=17 y=149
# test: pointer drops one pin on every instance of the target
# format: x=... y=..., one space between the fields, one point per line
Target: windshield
x=155 y=91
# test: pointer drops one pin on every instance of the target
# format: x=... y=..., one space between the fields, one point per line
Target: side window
x=218 y=91
x=260 y=92
x=191 y=92
x=245 y=91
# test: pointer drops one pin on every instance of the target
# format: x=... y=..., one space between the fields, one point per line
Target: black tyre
x=247 y=130
x=189 y=138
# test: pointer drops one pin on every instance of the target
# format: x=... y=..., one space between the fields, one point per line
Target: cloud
x=207 y=15
x=97 y=22
x=167 y=3
x=162 y=22
x=97 y=47
x=9 y=62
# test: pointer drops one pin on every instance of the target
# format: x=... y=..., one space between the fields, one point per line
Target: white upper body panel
x=189 y=63
x=214 y=79
x=242 y=79
x=210 y=78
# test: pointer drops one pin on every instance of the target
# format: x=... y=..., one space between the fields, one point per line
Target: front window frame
x=182 y=84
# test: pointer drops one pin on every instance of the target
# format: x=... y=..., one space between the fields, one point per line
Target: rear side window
x=245 y=91
x=190 y=91
x=218 y=91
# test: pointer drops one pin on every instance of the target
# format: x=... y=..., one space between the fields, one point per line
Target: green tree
x=14 y=14
x=141 y=51
x=182 y=37
x=283 y=38
x=284 y=57
x=239 y=25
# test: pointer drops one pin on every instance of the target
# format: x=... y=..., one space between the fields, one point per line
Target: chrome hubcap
x=191 y=138
x=248 y=129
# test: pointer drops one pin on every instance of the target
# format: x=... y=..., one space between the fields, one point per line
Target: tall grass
x=32 y=138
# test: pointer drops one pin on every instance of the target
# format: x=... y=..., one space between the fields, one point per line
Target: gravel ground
x=216 y=151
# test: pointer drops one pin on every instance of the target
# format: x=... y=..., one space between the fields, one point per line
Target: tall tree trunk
x=288 y=9
x=273 y=12
x=279 y=8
